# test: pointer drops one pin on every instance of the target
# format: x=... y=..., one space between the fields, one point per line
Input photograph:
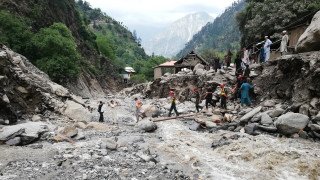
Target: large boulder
x=250 y=114
x=28 y=132
x=266 y=119
x=310 y=39
x=291 y=123
x=77 y=112
x=147 y=126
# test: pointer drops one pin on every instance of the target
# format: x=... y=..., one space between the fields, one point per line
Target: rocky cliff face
x=26 y=91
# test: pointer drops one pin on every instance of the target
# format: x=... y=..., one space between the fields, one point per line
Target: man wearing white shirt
x=267 y=45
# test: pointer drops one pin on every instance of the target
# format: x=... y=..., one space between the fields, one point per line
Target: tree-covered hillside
x=220 y=35
x=270 y=17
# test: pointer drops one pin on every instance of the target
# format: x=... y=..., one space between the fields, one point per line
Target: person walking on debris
x=101 y=109
x=247 y=71
x=224 y=97
x=238 y=62
x=173 y=104
x=267 y=45
x=284 y=43
x=208 y=98
x=216 y=63
x=229 y=58
x=245 y=87
x=113 y=113
x=198 y=99
x=138 y=108
x=261 y=53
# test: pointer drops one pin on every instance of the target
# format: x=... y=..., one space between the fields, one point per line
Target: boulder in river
x=291 y=123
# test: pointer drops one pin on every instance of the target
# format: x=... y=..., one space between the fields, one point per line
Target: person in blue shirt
x=245 y=87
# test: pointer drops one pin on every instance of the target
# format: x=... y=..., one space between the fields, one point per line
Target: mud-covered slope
x=294 y=78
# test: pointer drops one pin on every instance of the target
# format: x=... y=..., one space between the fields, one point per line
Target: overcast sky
x=149 y=16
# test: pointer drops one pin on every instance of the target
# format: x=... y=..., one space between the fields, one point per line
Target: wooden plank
x=174 y=117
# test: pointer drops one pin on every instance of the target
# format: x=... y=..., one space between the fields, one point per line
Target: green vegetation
x=270 y=17
x=146 y=67
x=54 y=52
x=221 y=35
x=14 y=32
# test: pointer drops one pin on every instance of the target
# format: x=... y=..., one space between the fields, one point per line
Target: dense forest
x=219 y=36
x=271 y=17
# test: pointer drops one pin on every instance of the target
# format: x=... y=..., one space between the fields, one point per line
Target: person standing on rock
x=267 y=45
x=247 y=71
x=208 y=98
x=262 y=54
x=284 y=43
x=138 y=108
x=245 y=87
x=101 y=109
x=238 y=62
x=198 y=99
x=216 y=63
x=173 y=102
x=223 y=97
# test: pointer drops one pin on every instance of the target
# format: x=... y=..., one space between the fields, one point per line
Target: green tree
x=105 y=46
x=14 y=33
x=55 y=52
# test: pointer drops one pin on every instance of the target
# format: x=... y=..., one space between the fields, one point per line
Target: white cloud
x=135 y=12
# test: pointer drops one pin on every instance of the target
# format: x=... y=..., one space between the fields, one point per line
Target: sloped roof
x=191 y=54
x=169 y=63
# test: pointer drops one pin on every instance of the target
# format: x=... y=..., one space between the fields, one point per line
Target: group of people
x=102 y=109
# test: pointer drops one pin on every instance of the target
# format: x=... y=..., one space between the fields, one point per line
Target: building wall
x=157 y=72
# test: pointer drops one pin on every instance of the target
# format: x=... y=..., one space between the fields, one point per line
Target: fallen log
x=169 y=118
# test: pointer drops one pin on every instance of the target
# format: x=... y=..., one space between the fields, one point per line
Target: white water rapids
x=250 y=157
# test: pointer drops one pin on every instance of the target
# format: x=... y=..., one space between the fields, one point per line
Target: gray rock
x=210 y=124
x=266 y=119
x=109 y=143
x=10 y=132
x=250 y=128
x=36 y=118
x=222 y=141
x=250 y=114
x=291 y=123
x=127 y=140
x=304 y=109
x=147 y=126
x=269 y=103
x=310 y=39
x=269 y=129
x=314 y=101
x=28 y=132
x=256 y=118
x=5 y=99
x=69 y=131
x=275 y=113
x=303 y=134
x=14 y=142
x=314 y=127
x=195 y=126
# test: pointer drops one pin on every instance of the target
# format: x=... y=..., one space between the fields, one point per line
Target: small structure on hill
x=190 y=61
x=167 y=67
x=127 y=73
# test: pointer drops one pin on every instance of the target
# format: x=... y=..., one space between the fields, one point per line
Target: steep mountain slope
x=221 y=35
x=174 y=38
x=96 y=64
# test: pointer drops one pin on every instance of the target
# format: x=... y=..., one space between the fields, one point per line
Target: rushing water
x=249 y=157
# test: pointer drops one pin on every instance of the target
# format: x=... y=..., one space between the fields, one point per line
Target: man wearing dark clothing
x=198 y=99
x=216 y=63
x=238 y=62
x=262 y=53
x=101 y=109
x=229 y=58
x=208 y=98
x=173 y=104
x=239 y=72
x=224 y=97
x=247 y=71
